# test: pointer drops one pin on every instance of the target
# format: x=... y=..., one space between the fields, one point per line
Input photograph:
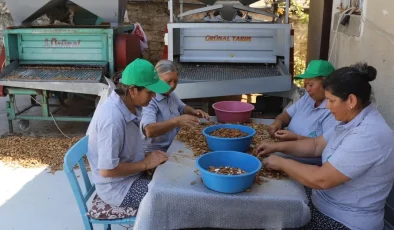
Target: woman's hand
x=285 y=135
x=154 y=159
x=273 y=162
x=265 y=148
x=273 y=128
x=187 y=121
x=201 y=114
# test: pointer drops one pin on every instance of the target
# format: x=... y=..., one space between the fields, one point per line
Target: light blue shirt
x=114 y=137
x=161 y=108
x=362 y=150
x=306 y=120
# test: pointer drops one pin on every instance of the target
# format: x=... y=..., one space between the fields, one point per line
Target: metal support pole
x=10 y=112
x=41 y=118
x=44 y=104
x=32 y=100
x=170 y=43
x=181 y=8
x=170 y=4
x=24 y=110
x=287 y=11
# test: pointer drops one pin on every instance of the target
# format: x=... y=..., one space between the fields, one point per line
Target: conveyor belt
x=221 y=72
x=55 y=73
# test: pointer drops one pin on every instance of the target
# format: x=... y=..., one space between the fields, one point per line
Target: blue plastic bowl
x=241 y=144
x=228 y=183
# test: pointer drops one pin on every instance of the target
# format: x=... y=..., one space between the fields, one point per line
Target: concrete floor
x=33 y=198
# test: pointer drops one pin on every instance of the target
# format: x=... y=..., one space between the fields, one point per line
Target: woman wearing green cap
x=115 y=150
x=166 y=113
x=351 y=188
x=308 y=117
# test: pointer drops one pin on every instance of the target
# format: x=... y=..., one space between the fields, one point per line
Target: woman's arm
x=286 y=135
x=124 y=169
x=189 y=110
x=159 y=128
x=110 y=144
x=281 y=121
x=324 y=177
x=154 y=159
x=195 y=112
x=149 y=125
x=310 y=147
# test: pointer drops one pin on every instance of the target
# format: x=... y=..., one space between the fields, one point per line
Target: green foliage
x=299 y=68
x=297 y=12
x=297 y=15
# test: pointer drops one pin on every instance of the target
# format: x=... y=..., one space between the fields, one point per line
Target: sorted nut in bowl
x=228 y=133
x=229 y=137
x=226 y=170
x=217 y=177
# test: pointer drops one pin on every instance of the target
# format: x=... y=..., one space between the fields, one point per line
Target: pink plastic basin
x=233 y=111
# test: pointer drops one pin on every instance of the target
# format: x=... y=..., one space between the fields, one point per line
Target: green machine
x=61 y=60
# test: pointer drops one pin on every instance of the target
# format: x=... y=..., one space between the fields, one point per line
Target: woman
x=308 y=117
x=166 y=113
x=115 y=151
x=350 y=188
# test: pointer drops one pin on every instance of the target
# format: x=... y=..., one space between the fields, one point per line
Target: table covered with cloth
x=178 y=199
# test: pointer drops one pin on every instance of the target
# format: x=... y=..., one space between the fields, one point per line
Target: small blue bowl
x=228 y=183
x=240 y=144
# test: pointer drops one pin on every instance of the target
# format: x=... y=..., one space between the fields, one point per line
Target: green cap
x=142 y=73
x=317 y=68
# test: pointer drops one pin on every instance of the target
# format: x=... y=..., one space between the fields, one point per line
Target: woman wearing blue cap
x=350 y=189
x=308 y=117
x=166 y=113
x=115 y=150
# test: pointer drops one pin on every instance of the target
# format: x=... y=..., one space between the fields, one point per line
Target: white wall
x=370 y=38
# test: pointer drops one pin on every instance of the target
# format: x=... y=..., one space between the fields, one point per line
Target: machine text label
x=54 y=43
x=228 y=38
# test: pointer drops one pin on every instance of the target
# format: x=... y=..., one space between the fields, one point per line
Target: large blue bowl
x=228 y=183
x=241 y=144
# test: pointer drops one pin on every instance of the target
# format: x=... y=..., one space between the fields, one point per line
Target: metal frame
x=286 y=27
x=204 y=9
x=279 y=85
x=46 y=114
x=24 y=12
x=108 y=39
x=200 y=10
x=44 y=88
x=273 y=84
x=249 y=9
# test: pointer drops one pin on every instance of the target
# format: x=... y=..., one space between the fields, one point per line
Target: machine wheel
x=24 y=125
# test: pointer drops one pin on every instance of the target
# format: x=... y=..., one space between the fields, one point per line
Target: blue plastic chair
x=75 y=156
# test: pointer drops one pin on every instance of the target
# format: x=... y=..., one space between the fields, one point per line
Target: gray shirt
x=362 y=150
x=161 y=108
x=306 y=120
x=114 y=137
